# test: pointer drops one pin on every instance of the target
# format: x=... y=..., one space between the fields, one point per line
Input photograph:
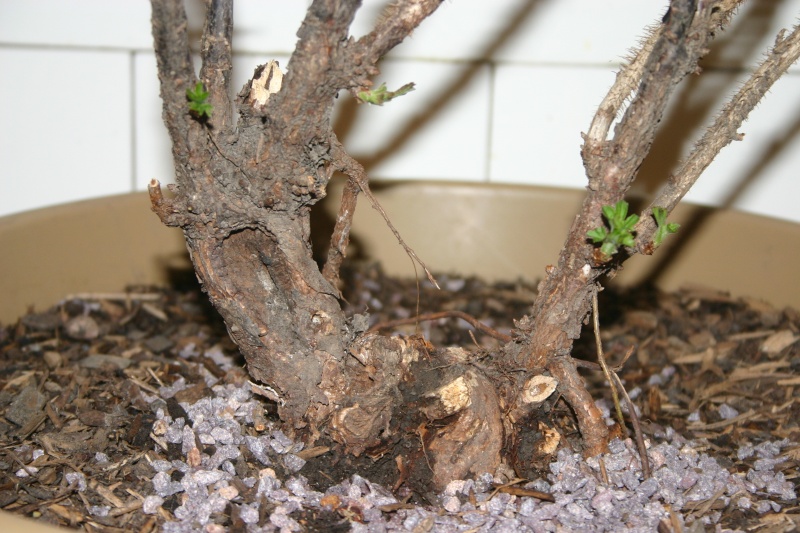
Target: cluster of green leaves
x=381 y=95
x=619 y=229
x=620 y=225
x=197 y=101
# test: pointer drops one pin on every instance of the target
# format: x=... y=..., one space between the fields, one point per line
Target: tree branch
x=313 y=77
x=340 y=237
x=565 y=294
x=396 y=23
x=175 y=71
x=216 y=70
x=724 y=130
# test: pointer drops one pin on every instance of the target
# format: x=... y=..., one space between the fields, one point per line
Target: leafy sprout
x=380 y=95
x=197 y=101
x=619 y=229
x=664 y=227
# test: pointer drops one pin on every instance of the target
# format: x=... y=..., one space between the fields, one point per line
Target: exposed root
x=471 y=443
x=590 y=419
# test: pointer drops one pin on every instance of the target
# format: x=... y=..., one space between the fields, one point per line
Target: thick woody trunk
x=248 y=176
x=246 y=182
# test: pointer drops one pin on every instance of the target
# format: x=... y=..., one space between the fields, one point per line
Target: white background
x=504 y=88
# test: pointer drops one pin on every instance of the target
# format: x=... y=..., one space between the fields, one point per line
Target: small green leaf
x=664 y=228
x=597 y=234
x=197 y=101
x=381 y=95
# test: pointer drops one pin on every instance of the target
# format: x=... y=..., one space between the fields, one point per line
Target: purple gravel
x=682 y=476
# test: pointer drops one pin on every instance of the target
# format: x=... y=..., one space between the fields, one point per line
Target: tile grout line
x=132 y=107
x=487 y=167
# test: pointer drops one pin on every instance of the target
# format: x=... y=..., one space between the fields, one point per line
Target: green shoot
x=664 y=228
x=619 y=233
x=197 y=101
x=380 y=95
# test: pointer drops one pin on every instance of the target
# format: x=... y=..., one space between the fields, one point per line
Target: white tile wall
x=433 y=132
x=66 y=126
x=82 y=116
x=539 y=114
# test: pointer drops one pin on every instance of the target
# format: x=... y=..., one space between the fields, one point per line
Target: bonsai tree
x=249 y=170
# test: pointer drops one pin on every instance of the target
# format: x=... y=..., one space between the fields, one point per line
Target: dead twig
x=602 y=360
x=637 y=428
x=356 y=171
x=614 y=382
x=511 y=488
x=116 y=296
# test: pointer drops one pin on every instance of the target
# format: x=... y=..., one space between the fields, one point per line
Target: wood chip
x=155 y=311
x=759 y=371
x=750 y=335
x=310 y=453
x=777 y=342
x=749 y=415
x=82 y=327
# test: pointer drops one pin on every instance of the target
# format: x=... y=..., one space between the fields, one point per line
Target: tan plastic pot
x=499 y=232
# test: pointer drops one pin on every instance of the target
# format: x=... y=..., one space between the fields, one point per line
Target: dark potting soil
x=132 y=412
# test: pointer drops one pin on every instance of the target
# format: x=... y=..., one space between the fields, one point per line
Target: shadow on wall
x=348 y=113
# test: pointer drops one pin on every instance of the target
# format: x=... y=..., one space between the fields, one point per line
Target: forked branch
x=724 y=130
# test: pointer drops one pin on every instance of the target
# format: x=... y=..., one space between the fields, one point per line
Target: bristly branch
x=625 y=83
x=724 y=130
x=629 y=78
x=216 y=69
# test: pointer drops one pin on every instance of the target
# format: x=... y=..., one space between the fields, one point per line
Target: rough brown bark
x=248 y=176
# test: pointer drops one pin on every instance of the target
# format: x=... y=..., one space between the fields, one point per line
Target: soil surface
x=103 y=401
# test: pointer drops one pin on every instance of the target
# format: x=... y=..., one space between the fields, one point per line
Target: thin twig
x=474 y=322
x=637 y=428
x=399 y=20
x=356 y=171
x=602 y=360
